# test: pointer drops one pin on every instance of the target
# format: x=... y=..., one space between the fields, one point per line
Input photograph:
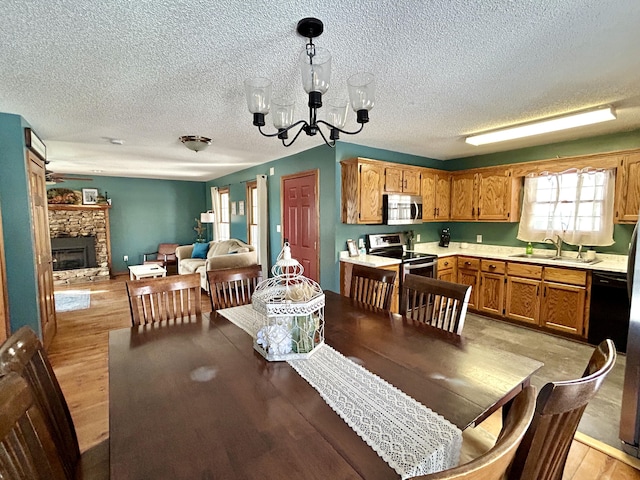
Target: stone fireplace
x=80 y=243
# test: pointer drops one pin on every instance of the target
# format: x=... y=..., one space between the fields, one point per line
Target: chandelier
x=315 y=63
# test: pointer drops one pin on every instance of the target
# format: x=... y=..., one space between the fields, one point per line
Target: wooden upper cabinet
x=489 y=196
x=436 y=195
x=362 y=183
x=628 y=189
x=402 y=180
x=463 y=196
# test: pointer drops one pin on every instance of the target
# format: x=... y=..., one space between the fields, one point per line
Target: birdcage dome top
x=288 y=288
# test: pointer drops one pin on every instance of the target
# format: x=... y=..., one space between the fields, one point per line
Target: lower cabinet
x=491 y=292
x=549 y=297
x=447 y=269
x=523 y=292
x=468 y=269
x=563 y=300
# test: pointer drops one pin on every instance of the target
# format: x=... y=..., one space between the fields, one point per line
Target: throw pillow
x=200 y=250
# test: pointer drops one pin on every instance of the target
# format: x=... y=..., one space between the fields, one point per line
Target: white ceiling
x=149 y=71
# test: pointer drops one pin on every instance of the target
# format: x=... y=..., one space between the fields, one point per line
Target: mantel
x=65 y=206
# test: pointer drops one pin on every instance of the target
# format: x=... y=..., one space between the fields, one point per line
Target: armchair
x=165 y=256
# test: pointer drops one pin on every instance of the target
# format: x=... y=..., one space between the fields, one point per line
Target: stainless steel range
x=392 y=245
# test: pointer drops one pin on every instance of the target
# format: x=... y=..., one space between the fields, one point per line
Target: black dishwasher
x=609 y=315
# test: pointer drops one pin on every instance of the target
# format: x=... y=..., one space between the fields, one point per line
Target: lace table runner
x=410 y=437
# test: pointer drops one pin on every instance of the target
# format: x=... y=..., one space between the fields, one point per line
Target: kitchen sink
x=538 y=256
x=555 y=258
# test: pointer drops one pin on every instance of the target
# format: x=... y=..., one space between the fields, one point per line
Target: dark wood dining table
x=195 y=401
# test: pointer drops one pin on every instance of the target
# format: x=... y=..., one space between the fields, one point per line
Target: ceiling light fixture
x=554 y=124
x=315 y=63
x=195 y=142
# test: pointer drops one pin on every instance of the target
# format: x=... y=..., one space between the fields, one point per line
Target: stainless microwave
x=401 y=209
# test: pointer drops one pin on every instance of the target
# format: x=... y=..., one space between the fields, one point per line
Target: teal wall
x=22 y=284
x=320 y=158
x=145 y=213
x=505 y=233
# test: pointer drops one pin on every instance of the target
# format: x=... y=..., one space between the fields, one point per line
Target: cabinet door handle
x=467 y=263
x=473 y=211
x=537 y=290
x=478 y=211
x=435 y=212
x=545 y=291
x=446 y=264
x=492 y=266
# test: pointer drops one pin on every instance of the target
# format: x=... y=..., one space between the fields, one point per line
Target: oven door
x=422 y=268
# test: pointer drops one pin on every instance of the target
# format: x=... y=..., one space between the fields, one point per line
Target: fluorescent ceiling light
x=544 y=126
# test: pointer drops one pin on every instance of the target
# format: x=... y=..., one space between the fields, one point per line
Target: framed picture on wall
x=89 y=196
x=241 y=207
x=234 y=208
x=351 y=246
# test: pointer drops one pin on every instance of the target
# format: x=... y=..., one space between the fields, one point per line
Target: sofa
x=230 y=253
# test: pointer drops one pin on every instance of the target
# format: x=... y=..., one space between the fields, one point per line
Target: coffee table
x=136 y=272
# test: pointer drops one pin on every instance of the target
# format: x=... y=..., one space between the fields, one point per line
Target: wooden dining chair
x=161 y=299
x=543 y=452
x=23 y=354
x=372 y=286
x=493 y=464
x=231 y=287
x=435 y=302
x=27 y=450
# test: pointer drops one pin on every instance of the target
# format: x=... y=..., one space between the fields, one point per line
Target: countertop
x=607 y=263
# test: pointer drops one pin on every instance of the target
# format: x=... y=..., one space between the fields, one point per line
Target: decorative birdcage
x=289 y=312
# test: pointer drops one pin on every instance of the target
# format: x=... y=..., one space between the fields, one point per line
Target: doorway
x=301 y=219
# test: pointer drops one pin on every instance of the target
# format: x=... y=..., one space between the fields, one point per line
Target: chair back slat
x=22 y=353
x=232 y=287
x=493 y=464
x=164 y=299
x=27 y=451
x=560 y=405
x=372 y=286
x=435 y=302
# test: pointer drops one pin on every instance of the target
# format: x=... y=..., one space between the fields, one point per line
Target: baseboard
x=607 y=450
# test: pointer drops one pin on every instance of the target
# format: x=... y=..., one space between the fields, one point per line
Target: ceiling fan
x=52 y=178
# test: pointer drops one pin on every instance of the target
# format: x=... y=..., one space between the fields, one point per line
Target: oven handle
x=407 y=267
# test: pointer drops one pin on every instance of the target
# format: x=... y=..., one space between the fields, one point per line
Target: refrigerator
x=630 y=414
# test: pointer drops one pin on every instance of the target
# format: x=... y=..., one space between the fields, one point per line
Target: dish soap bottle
x=529 y=250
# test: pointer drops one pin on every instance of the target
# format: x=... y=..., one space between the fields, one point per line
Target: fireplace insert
x=69 y=253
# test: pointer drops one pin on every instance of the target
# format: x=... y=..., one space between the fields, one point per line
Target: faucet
x=557 y=243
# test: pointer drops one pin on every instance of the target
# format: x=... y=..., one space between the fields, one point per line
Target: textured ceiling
x=149 y=71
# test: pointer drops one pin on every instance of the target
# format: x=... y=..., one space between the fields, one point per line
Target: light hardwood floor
x=79 y=355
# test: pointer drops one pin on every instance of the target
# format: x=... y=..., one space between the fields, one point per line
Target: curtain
x=575 y=205
x=215 y=206
x=263 y=225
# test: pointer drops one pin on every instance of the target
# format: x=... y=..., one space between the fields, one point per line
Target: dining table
x=194 y=400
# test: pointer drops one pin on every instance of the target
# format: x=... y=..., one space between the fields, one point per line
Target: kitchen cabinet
x=563 y=303
x=522 y=301
x=436 y=195
x=446 y=269
x=487 y=195
x=468 y=270
x=491 y=291
x=362 y=182
x=628 y=189
x=463 y=193
x=345 y=282
x=402 y=180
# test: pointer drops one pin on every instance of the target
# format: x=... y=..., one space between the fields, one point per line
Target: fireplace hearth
x=70 y=253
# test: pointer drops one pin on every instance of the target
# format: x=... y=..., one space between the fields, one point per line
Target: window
x=252 y=213
x=224 y=214
x=575 y=205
